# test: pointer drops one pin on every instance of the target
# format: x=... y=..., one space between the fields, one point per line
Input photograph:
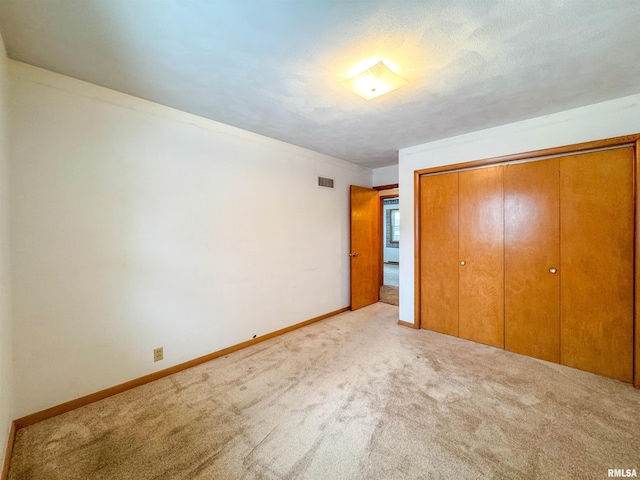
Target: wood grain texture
x=109 y=392
x=9 y=450
x=381 y=243
x=636 y=370
x=537 y=156
x=532 y=248
x=547 y=152
x=417 y=254
x=597 y=266
x=481 y=240
x=439 y=253
x=365 y=246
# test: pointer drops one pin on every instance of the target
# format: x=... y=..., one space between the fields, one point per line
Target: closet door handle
x=463 y=263
x=553 y=270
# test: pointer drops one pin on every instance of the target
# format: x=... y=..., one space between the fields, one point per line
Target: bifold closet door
x=597 y=256
x=481 y=255
x=532 y=259
x=439 y=253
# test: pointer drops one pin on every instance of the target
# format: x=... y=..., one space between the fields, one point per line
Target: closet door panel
x=532 y=251
x=596 y=270
x=481 y=239
x=439 y=253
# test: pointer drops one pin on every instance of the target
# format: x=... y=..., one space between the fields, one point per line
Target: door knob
x=463 y=263
x=553 y=270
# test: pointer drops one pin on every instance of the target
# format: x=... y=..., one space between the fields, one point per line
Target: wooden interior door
x=439 y=253
x=365 y=247
x=481 y=255
x=596 y=262
x=532 y=259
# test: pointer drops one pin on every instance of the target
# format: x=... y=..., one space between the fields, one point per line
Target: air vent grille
x=325 y=182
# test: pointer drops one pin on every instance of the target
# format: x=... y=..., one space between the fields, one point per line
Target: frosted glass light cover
x=375 y=81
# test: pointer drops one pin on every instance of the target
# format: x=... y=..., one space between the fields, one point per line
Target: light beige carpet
x=352 y=397
x=390 y=295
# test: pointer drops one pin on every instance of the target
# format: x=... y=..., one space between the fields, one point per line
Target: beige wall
x=385 y=176
x=6 y=369
x=137 y=226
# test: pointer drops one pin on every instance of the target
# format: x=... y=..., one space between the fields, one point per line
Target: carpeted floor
x=389 y=292
x=355 y=396
x=390 y=295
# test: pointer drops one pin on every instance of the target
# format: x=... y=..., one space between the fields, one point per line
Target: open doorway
x=390 y=244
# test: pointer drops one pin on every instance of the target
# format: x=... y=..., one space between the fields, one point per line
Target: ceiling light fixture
x=375 y=81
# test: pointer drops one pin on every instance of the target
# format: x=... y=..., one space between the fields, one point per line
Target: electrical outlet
x=158 y=354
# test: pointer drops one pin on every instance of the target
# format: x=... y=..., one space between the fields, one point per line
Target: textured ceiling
x=275 y=66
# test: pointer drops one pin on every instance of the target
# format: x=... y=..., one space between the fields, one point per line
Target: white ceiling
x=274 y=66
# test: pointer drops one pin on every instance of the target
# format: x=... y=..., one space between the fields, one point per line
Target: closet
x=535 y=257
x=532 y=259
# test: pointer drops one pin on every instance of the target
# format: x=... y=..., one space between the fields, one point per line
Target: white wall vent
x=325 y=182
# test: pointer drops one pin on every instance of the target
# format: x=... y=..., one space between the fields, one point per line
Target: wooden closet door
x=481 y=256
x=439 y=253
x=596 y=269
x=532 y=254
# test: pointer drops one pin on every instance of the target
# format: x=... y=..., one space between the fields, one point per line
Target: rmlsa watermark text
x=622 y=472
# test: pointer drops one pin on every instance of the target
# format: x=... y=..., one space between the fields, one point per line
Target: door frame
x=382 y=220
x=616 y=142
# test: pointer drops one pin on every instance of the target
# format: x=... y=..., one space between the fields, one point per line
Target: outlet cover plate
x=158 y=354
